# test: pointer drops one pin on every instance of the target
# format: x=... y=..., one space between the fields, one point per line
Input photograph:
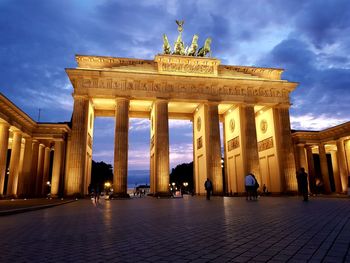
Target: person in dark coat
x=302 y=183
x=208 y=187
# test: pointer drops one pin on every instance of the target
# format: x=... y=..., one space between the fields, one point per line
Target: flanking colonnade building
x=251 y=102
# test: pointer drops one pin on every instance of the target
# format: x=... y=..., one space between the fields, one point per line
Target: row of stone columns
x=339 y=161
x=29 y=164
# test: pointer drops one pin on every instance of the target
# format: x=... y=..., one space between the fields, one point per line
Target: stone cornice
x=266 y=73
x=324 y=136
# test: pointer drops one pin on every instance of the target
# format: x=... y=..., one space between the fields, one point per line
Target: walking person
x=302 y=180
x=208 y=187
x=255 y=188
x=249 y=186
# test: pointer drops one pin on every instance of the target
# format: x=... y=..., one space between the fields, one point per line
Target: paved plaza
x=191 y=229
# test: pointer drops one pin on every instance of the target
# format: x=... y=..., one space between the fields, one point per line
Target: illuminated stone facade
x=252 y=104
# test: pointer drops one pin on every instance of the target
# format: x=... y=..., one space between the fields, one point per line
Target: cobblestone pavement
x=192 y=229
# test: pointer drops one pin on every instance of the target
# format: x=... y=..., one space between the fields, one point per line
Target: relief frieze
x=168 y=87
x=265 y=144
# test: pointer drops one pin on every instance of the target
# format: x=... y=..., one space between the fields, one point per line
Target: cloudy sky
x=309 y=39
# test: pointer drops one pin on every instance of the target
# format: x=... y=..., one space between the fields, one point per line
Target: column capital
x=282 y=106
x=4 y=124
x=79 y=96
x=122 y=99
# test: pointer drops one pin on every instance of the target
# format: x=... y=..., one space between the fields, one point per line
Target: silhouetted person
x=208 y=187
x=302 y=183
x=249 y=186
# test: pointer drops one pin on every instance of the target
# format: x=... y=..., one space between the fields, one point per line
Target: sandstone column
x=324 y=168
x=336 y=175
x=57 y=167
x=34 y=167
x=46 y=175
x=161 y=144
x=214 y=148
x=14 y=163
x=77 y=153
x=40 y=170
x=25 y=176
x=121 y=147
x=311 y=169
x=4 y=138
x=249 y=141
x=342 y=166
x=285 y=147
x=302 y=162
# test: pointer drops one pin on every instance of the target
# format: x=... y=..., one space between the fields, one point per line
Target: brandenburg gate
x=253 y=104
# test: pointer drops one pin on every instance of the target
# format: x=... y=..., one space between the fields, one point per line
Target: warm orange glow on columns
x=14 y=163
x=161 y=144
x=4 y=138
x=40 y=170
x=25 y=176
x=57 y=167
x=311 y=169
x=214 y=148
x=77 y=152
x=249 y=141
x=301 y=157
x=121 y=147
x=34 y=167
x=324 y=168
x=284 y=146
x=342 y=166
x=44 y=188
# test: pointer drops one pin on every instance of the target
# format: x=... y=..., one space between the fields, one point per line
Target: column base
x=119 y=196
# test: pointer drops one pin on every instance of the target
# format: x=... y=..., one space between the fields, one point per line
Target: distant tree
x=101 y=172
x=182 y=173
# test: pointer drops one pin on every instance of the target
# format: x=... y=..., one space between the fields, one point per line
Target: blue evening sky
x=309 y=39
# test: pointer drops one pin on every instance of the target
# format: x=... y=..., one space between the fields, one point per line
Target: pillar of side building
x=301 y=157
x=40 y=170
x=57 y=167
x=14 y=163
x=336 y=175
x=342 y=166
x=324 y=168
x=46 y=175
x=121 y=148
x=4 y=138
x=34 y=167
x=25 y=176
x=249 y=140
x=284 y=147
x=161 y=148
x=214 y=147
x=311 y=168
x=78 y=146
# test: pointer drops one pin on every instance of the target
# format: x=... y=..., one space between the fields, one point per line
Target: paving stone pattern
x=192 y=229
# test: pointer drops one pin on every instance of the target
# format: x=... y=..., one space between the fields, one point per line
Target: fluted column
x=40 y=170
x=342 y=166
x=214 y=148
x=4 y=139
x=324 y=168
x=302 y=162
x=14 y=163
x=57 y=167
x=44 y=187
x=121 y=147
x=25 y=176
x=161 y=141
x=249 y=141
x=285 y=147
x=77 y=153
x=311 y=169
x=34 y=167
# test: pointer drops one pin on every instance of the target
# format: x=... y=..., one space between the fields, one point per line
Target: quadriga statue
x=179 y=47
x=191 y=50
x=166 y=45
x=203 y=51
